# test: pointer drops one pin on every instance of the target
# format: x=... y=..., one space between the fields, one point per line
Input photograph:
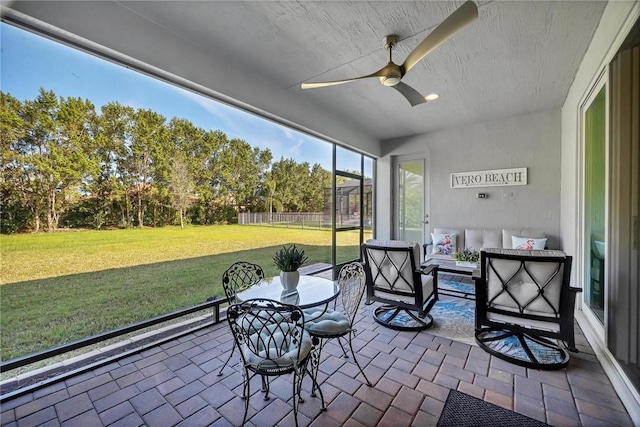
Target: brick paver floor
x=176 y=383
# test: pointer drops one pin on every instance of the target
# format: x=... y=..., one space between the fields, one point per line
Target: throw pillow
x=527 y=243
x=443 y=244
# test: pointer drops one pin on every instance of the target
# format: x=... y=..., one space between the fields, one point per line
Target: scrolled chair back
x=239 y=277
x=352 y=282
x=270 y=334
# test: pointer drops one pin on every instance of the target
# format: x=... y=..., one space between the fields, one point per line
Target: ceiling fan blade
x=412 y=95
x=463 y=16
x=379 y=73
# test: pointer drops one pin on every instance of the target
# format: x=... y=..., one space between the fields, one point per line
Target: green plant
x=289 y=258
x=466 y=255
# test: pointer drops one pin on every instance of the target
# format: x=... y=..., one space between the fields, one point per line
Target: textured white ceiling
x=517 y=57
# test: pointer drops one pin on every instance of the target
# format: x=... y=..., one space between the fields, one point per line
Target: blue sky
x=28 y=62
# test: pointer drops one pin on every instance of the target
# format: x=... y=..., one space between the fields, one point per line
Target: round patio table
x=312 y=291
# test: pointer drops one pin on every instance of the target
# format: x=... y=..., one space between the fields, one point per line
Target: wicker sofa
x=479 y=238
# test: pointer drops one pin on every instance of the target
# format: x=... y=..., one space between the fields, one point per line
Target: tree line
x=65 y=164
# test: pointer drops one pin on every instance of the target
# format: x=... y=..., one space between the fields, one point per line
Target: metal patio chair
x=525 y=306
x=395 y=278
x=275 y=344
x=239 y=277
x=328 y=324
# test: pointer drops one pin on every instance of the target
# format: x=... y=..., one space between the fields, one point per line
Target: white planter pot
x=466 y=264
x=289 y=280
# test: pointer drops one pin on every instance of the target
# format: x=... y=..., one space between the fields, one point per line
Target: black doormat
x=462 y=410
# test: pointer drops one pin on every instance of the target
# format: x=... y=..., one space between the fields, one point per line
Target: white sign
x=492 y=178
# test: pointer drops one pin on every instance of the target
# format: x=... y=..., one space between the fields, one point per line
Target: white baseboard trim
x=626 y=391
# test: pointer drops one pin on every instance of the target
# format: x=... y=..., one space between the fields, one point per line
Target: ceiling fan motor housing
x=390 y=80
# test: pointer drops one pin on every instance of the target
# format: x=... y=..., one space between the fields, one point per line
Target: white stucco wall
x=530 y=140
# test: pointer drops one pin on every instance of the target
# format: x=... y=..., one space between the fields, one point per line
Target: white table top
x=312 y=291
x=450 y=266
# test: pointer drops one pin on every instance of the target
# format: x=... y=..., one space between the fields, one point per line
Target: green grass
x=64 y=286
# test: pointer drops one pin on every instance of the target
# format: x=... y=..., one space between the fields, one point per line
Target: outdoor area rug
x=454 y=317
x=462 y=410
x=457 y=289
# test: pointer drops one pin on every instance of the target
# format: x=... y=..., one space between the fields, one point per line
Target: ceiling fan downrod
x=394 y=74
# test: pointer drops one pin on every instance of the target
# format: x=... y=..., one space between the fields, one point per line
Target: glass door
x=595 y=202
x=351 y=205
x=410 y=208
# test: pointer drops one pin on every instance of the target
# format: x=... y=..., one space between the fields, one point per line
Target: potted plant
x=466 y=258
x=288 y=260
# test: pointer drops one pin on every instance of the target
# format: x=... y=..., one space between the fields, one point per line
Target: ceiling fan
x=391 y=74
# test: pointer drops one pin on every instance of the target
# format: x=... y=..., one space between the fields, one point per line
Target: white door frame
x=583 y=250
x=397 y=161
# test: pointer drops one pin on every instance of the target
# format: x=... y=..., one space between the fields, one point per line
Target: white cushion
x=399 y=260
x=527 y=243
x=443 y=244
x=393 y=266
x=398 y=244
x=459 y=232
x=507 y=235
x=522 y=288
x=271 y=343
x=427 y=289
x=484 y=238
x=479 y=238
x=328 y=323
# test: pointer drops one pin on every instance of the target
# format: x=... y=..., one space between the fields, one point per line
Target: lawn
x=63 y=286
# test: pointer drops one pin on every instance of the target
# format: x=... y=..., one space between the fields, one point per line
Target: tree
x=52 y=154
x=30 y=153
x=242 y=167
x=181 y=188
x=147 y=158
x=112 y=134
x=319 y=179
x=290 y=178
x=270 y=187
x=15 y=213
x=71 y=150
x=64 y=164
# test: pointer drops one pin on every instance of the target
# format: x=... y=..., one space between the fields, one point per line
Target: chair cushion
x=388 y=266
x=398 y=244
x=522 y=290
x=427 y=290
x=479 y=238
x=270 y=350
x=330 y=323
